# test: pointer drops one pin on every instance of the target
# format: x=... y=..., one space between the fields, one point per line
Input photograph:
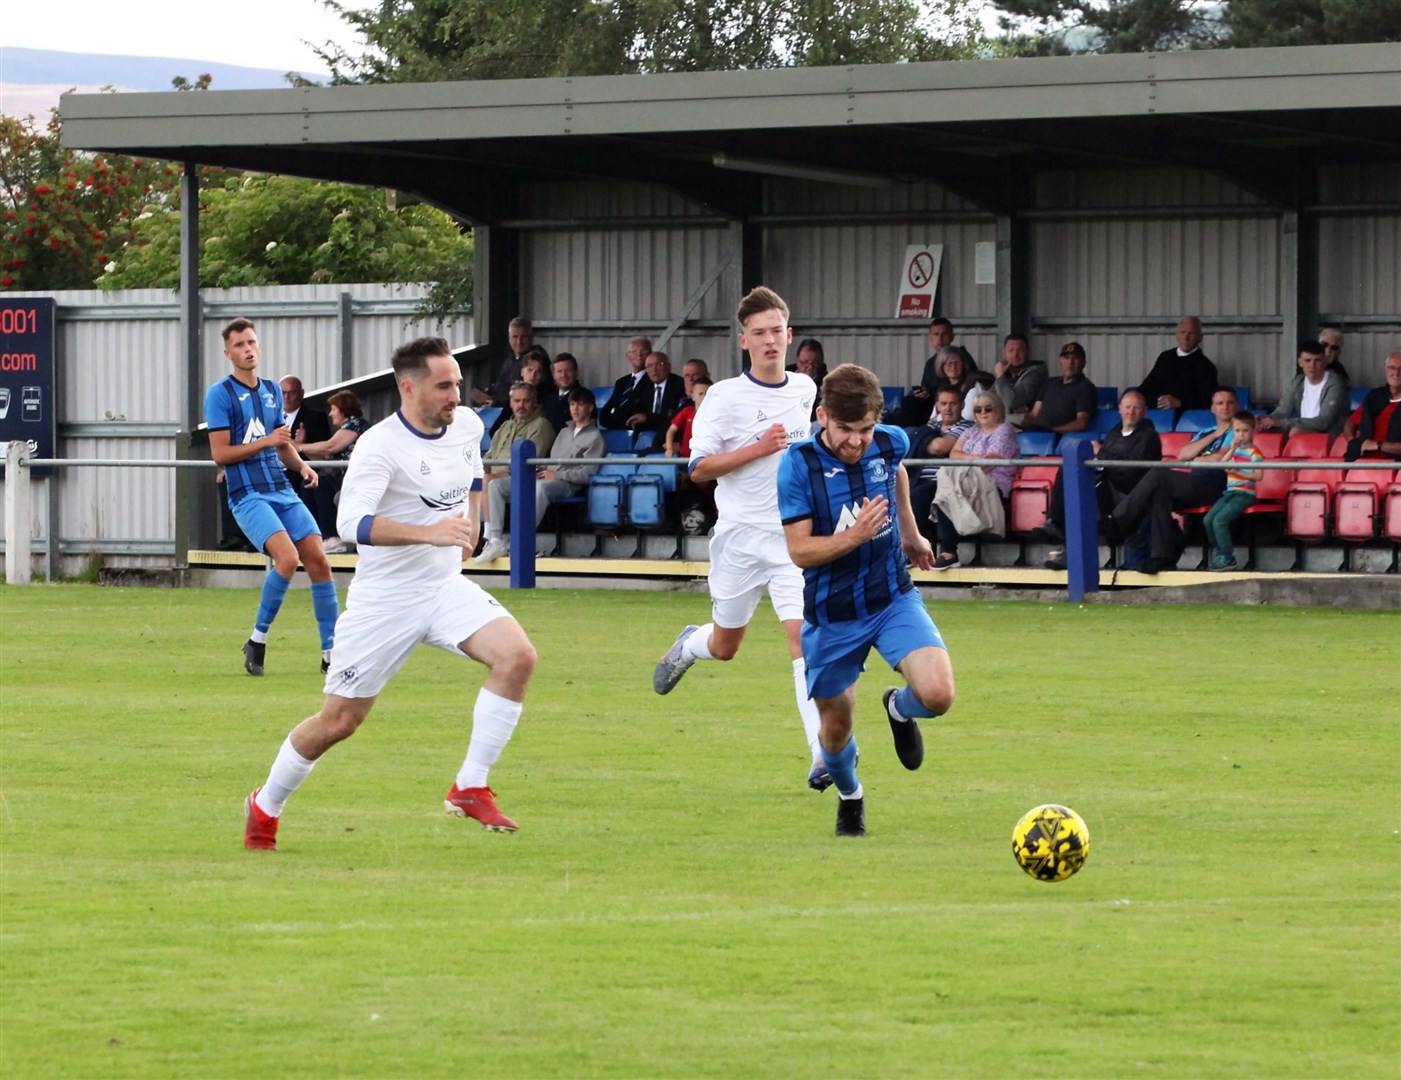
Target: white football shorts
x=376 y=639
x=745 y=563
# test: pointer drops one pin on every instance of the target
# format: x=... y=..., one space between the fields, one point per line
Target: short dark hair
x=940 y=320
x=567 y=357
x=347 y=403
x=813 y=344
x=410 y=360
x=236 y=326
x=1016 y=337
x=1312 y=347
x=760 y=298
x=702 y=380
x=537 y=350
x=851 y=393
x=1245 y=416
x=581 y=393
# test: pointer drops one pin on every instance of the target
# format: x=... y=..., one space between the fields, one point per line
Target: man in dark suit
x=1182 y=378
x=619 y=406
x=307 y=425
x=657 y=398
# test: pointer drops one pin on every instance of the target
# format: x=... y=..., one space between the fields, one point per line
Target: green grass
x=675 y=904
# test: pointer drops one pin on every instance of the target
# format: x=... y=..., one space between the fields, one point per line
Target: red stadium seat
x=1307 y=444
x=1357 y=503
x=1173 y=441
x=1391 y=513
x=1270 y=443
x=1308 y=502
x=1031 y=495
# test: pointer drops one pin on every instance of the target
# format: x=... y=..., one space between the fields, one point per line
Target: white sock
x=493 y=720
x=807 y=708
x=857 y=794
x=697 y=646
x=258 y=636
x=289 y=769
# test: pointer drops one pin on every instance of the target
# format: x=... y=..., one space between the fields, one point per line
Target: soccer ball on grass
x=1051 y=842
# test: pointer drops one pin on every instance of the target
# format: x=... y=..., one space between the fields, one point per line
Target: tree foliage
x=67 y=213
x=282 y=230
x=1046 y=27
x=434 y=40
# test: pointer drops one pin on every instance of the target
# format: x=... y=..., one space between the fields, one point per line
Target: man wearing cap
x=1068 y=403
x=1182 y=378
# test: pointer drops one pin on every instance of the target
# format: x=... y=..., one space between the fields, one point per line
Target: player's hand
x=773 y=440
x=452 y=531
x=279 y=436
x=871 y=518
x=918 y=551
x=310 y=477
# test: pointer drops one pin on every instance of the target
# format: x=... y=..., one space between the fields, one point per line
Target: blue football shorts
x=836 y=653
x=263 y=514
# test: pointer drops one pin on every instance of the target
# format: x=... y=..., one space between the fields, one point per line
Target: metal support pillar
x=522 y=515
x=1081 y=521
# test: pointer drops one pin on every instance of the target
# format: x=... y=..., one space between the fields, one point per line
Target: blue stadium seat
x=601 y=394
x=644 y=441
x=1163 y=419
x=1036 y=443
x=1242 y=398
x=489 y=415
x=617 y=441
x=1071 y=437
x=1358 y=394
x=1196 y=420
x=1104 y=420
x=606 y=498
x=893 y=396
x=1108 y=396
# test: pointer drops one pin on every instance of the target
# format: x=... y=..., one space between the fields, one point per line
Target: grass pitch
x=675 y=904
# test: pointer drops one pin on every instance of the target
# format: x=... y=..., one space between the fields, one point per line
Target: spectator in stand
x=691 y=371
x=565 y=371
x=1018 y=381
x=1317 y=399
x=1331 y=338
x=619 y=406
x=535 y=365
x=347 y=416
x=1068 y=403
x=934 y=440
x=1239 y=493
x=918 y=405
x=992 y=437
x=657 y=398
x=956 y=374
x=1133 y=439
x=307 y=425
x=526 y=422
x=678 y=434
x=1182 y=378
x=1374 y=429
x=811 y=360
x=581 y=439
x=520 y=336
x=1161 y=491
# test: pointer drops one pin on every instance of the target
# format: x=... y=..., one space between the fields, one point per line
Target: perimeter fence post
x=522 y=515
x=1081 y=521
x=19 y=515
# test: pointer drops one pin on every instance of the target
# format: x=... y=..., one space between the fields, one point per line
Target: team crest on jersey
x=807 y=404
x=423 y=468
x=762 y=415
x=268 y=399
x=878 y=473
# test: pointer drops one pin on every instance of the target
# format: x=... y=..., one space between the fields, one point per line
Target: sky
x=251 y=33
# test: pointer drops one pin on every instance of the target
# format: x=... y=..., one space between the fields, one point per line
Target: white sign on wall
x=919 y=279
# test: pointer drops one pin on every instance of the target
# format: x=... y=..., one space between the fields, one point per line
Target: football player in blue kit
x=844 y=499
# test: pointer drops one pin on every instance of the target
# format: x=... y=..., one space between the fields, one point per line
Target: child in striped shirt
x=1239 y=493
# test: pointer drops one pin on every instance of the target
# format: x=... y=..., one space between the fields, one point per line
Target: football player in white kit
x=739 y=434
x=410 y=501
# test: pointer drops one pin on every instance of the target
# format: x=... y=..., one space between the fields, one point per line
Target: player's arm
x=916 y=547
x=807 y=550
x=714 y=466
x=224 y=451
x=292 y=462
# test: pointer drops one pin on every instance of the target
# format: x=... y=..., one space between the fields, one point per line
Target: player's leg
x=835 y=658
x=305 y=536
x=259 y=521
x=338 y=720
x=786 y=594
x=472 y=622
x=910 y=642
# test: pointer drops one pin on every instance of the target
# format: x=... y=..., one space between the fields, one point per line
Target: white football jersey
x=399 y=473
x=734 y=414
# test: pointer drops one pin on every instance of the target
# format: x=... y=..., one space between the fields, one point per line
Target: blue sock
x=910 y=706
x=842 y=766
x=326 y=607
x=275 y=588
